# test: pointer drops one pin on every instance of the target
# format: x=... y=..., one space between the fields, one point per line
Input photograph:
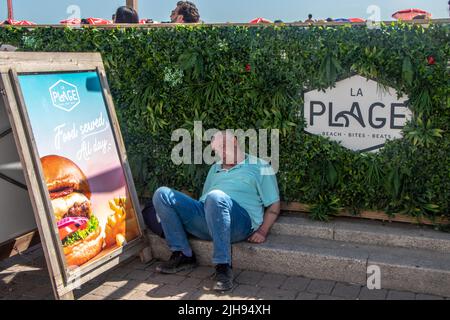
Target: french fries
x=120 y=239
x=116 y=227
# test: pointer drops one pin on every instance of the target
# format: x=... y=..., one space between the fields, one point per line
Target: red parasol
x=11 y=20
x=409 y=14
x=260 y=20
x=91 y=21
x=98 y=21
x=19 y=22
x=356 y=20
x=71 y=21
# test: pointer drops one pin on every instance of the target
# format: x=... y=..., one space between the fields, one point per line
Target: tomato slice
x=70 y=225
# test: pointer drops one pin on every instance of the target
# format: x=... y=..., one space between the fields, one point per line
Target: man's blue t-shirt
x=251 y=183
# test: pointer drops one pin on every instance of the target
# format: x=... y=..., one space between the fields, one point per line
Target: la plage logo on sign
x=64 y=95
x=357 y=113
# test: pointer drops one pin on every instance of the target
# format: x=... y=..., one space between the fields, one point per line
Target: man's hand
x=258 y=237
x=270 y=216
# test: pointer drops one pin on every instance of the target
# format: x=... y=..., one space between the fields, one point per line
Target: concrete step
x=415 y=270
x=365 y=232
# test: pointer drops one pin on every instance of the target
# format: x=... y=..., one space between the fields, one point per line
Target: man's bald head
x=226 y=146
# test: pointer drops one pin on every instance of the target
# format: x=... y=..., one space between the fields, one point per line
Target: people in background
x=185 y=12
x=309 y=20
x=126 y=14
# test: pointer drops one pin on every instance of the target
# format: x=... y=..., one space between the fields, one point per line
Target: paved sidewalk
x=26 y=277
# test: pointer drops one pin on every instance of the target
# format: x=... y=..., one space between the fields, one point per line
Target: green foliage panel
x=254 y=77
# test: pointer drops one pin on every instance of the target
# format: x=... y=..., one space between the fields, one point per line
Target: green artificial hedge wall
x=254 y=77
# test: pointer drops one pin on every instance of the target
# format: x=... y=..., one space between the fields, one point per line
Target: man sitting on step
x=240 y=201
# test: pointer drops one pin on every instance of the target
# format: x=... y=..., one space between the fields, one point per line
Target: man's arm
x=270 y=216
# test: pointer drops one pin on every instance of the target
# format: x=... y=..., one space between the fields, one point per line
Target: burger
x=69 y=191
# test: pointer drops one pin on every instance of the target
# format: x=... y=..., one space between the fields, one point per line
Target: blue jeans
x=219 y=218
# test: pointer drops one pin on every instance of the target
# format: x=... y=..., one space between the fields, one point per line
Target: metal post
x=133 y=4
x=10 y=10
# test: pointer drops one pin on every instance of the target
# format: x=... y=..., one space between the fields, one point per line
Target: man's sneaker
x=177 y=262
x=223 y=278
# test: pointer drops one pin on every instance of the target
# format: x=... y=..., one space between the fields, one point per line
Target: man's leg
x=227 y=222
x=178 y=213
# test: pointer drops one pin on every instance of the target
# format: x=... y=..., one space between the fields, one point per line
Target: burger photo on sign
x=79 y=229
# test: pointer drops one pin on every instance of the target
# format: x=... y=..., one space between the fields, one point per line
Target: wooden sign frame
x=14 y=63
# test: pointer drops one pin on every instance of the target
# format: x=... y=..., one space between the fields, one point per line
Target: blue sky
x=51 y=11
